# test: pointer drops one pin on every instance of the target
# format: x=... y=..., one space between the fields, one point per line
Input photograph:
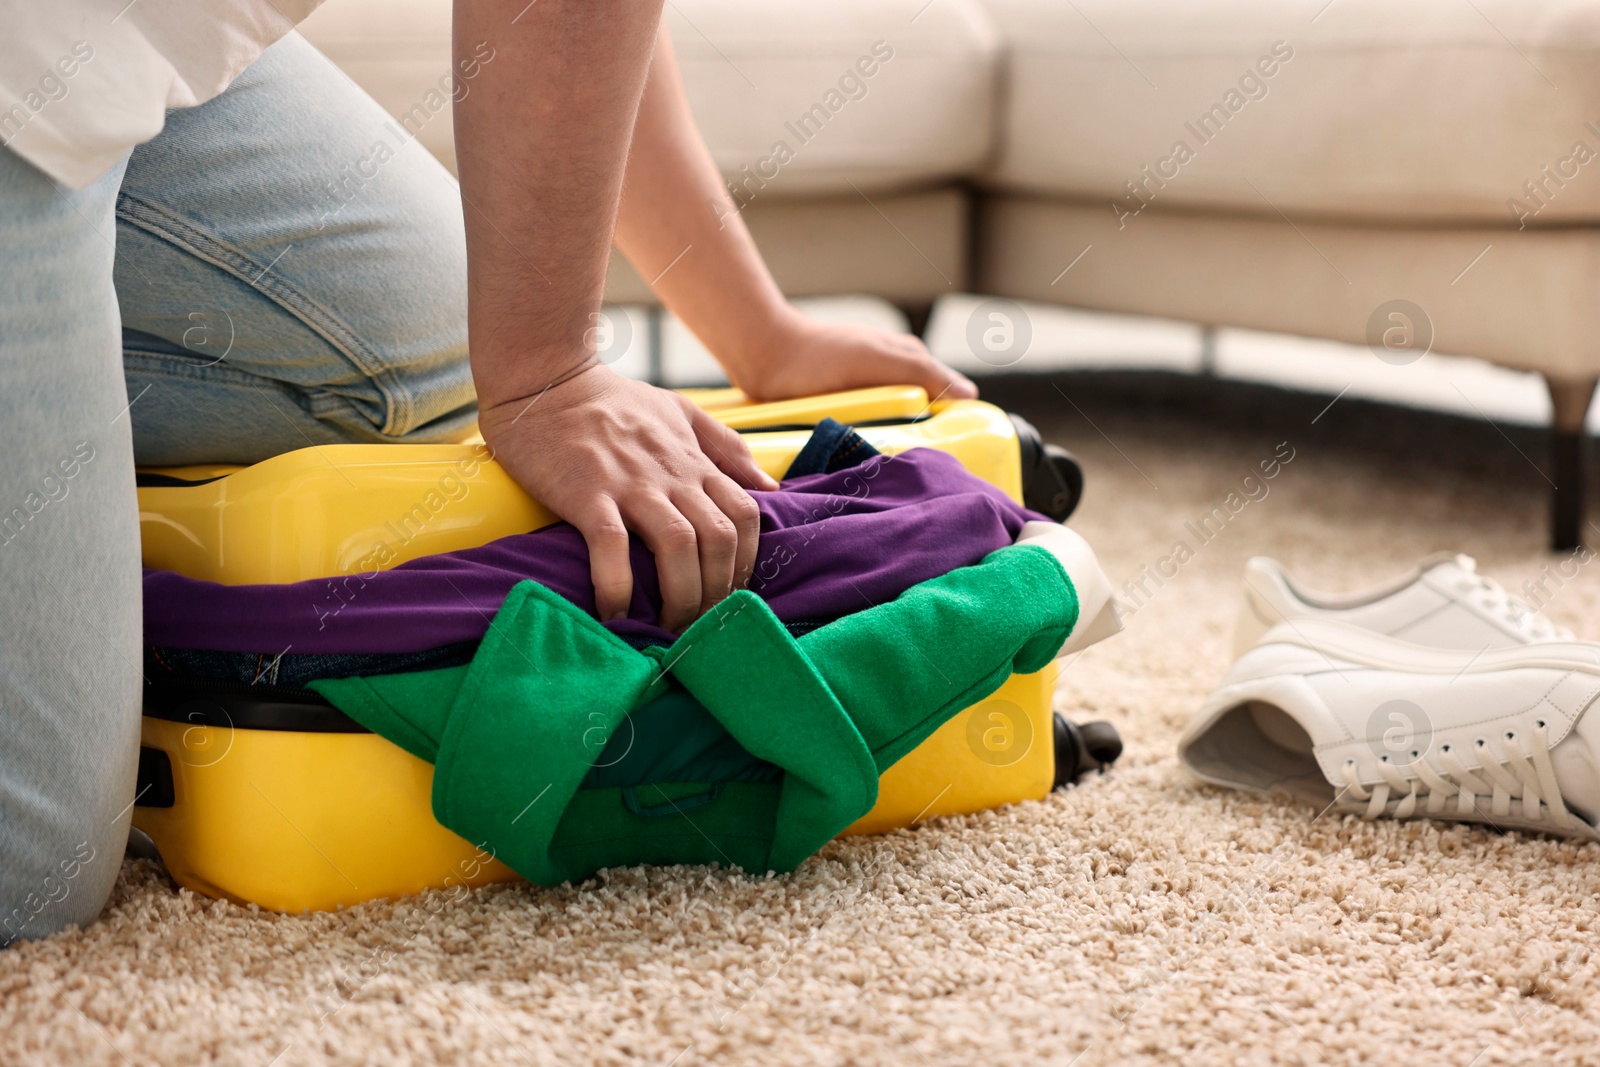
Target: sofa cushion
x=886 y=94
x=785 y=71
x=1524 y=300
x=907 y=247
x=1404 y=109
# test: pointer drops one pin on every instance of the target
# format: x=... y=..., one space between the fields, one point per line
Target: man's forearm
x=679 y=229
x=542 y=141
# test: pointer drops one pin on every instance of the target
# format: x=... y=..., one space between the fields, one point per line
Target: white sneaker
x=1354 y=721
x=1444 y=603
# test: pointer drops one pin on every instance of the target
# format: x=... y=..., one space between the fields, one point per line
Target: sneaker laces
x=1494 y=599
x=1486 y=790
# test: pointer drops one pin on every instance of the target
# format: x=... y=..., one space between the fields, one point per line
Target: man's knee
x=66 y=793
x=69 y=696
x=60 y=886
x=66 y=799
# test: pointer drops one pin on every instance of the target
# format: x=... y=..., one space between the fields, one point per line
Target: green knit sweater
x=783 y=738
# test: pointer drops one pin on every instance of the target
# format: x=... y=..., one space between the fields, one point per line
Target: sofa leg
x=1208 y=351
x=917 y=315
x=656 y=374
x=1569 y=401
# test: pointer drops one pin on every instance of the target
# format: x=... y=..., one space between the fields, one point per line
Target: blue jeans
x=251 y=281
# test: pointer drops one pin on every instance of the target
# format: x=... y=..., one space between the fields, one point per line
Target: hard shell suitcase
x=276 y=798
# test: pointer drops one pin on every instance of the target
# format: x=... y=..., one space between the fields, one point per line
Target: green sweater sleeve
x=903 y=668
x=513 y=734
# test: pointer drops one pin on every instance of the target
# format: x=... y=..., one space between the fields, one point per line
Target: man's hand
x=611 y=455
x=801 y=357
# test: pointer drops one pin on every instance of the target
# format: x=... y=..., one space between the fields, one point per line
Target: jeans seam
x=316 y=402
x=161 y=223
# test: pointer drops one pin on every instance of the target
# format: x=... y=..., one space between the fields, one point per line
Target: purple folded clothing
x=831 y=545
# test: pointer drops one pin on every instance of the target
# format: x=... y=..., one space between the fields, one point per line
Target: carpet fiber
x=1136 y=919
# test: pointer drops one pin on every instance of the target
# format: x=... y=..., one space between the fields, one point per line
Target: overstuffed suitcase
x=276 y=798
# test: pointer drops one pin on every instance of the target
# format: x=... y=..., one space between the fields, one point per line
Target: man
x=243 y=275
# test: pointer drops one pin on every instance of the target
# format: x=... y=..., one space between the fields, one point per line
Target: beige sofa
x=1408 y=174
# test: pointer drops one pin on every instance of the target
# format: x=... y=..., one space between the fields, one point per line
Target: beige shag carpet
x=1135 y=919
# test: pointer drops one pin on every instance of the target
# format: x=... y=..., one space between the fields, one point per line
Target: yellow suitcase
x=276 y=798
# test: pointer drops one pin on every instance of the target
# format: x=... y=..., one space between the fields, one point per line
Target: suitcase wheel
x=1052 y=478
x=1094 y=746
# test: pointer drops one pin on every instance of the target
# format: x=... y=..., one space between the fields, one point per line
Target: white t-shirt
x=83 y=81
